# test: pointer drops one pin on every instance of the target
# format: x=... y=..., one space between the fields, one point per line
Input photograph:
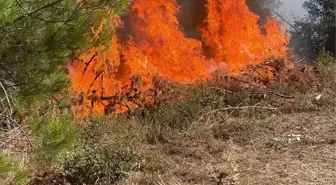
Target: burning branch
x=97 y=75
x=89 y=62
x=181 y=59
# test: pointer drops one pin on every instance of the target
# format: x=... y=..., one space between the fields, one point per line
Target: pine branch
x=36 y=11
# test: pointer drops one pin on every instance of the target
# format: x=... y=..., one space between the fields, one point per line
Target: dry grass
x=206 y=135
x=239 y=147
x=202 y=140
x=265 y=151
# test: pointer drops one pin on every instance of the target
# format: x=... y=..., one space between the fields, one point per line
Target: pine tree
x=39 y=36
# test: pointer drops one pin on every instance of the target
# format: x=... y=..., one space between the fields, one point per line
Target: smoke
x=193 y=14
x=259 y=7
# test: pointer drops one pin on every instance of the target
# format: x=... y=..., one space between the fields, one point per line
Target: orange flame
x=234 y=37
x=157 y=45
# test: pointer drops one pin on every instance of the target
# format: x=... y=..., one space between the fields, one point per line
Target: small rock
x=318 y=97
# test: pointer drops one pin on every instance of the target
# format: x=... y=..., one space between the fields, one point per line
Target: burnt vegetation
x=273 y=123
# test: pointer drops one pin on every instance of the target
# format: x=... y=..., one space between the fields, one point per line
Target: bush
x=176 y=115
x=326 y=65
x=180 y=114
x=100 y=166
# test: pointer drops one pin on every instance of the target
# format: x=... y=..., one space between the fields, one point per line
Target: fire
x=152 y=42
x=158 y=45
x=233 y=36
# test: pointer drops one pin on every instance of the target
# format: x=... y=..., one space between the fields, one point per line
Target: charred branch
x=89 y=62
x=98 y=74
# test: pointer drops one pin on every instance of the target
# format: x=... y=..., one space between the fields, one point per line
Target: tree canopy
x=316 y=32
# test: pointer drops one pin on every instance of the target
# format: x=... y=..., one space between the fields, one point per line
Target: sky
x=293 y=8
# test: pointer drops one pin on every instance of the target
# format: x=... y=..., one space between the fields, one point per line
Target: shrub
x=100 y=166
x=176 y=115
x=326 y=65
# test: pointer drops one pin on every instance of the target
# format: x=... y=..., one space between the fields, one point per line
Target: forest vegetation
x=226 y=130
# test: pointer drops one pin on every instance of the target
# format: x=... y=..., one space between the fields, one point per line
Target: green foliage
x=37 y=37
x=100 y=166
x=174 y=117
x=213 y=98
x=316 y=33
x=180 y=114
x=99 y=127
x=49 y=85
x=56 y=136
x=177 y=114
x=326 y=65
x=321 y=11
x=12 y=171
x=64 y=102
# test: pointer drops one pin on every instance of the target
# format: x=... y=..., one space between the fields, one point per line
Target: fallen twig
x=20 y=128
x=240 y=108
x=7 y=97
x=281 y=95
x=9 y=140
x=302 y=59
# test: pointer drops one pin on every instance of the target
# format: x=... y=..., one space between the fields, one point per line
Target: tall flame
x=158 y=45
x=152 y=42
x=233 y=35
